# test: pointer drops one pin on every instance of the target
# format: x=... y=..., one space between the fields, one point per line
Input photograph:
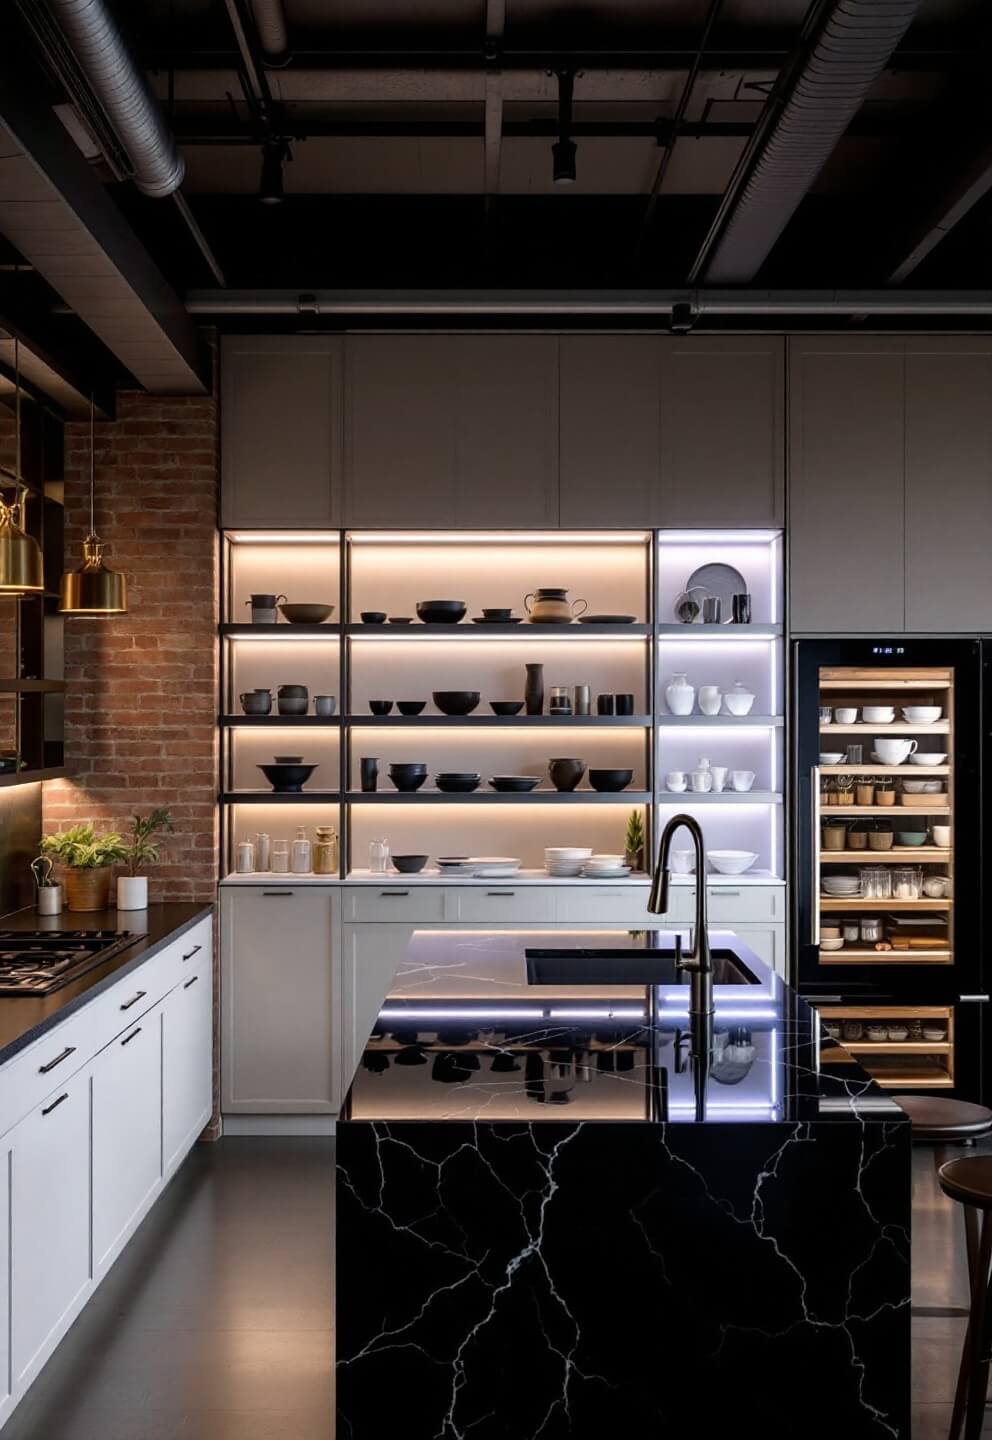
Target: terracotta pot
x=88 y=889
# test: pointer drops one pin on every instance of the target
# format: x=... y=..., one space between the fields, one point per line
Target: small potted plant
x=633 y=841
x=140 y=850
x=86 y=858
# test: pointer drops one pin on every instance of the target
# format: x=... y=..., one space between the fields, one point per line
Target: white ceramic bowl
x=731 y=862
x=603 y=859
x=914 y=787
x=928 y=757
x=846 y=715
x=921 y=714
x=892 y=750
x=878 y=714
x=831 y=757
x=832 y=944
x=567 y=852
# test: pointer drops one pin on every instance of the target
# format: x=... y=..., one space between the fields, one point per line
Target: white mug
x=682 y=862
x=675 y=780
x=719 y=773
x=941 y=836
x=710 y=699
x=742 y=779
x=892 y=751
x=701 y=781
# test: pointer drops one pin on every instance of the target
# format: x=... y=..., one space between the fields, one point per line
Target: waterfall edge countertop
x=25 y=1018
x=465 y=1034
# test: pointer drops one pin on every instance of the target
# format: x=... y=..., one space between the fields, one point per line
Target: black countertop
x=24 y=1018
x=464 y=1035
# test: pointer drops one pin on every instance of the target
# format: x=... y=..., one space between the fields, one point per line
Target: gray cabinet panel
x=722 y=431
x=609 y=416
x=846 y=511
x=949 y=484
x=451 y=430
x=280 y=430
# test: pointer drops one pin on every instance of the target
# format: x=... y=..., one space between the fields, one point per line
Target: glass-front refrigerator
x=887 y=910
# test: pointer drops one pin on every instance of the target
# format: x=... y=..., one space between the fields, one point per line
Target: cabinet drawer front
x=504 y=902
x=176 y=963
x=745 y=902
x=394 y=902
x=49 y=1062
x=603 y=904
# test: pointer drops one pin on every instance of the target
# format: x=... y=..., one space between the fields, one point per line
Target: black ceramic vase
x=534 y=691
x=566 y=774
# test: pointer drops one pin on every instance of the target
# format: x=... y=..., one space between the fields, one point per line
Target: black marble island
x=566 y=1210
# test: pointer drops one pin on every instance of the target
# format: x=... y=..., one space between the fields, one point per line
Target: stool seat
x=939 y=1119
x=968 y=1180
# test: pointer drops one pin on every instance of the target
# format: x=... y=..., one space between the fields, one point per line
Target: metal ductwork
x=847 y=55
x=270 y=24
x=94 y=47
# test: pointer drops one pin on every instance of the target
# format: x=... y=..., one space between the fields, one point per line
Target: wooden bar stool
x=945 y=1122
x=968 y=1180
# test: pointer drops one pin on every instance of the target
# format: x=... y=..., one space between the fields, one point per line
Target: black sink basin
x=583 y=966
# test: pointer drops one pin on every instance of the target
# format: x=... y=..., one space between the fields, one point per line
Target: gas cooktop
x=36 y=962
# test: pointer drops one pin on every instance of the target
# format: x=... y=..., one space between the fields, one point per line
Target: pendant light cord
x=92 y=467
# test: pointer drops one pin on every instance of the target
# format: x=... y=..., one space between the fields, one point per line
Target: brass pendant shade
x=21 y=568
x=93 y=589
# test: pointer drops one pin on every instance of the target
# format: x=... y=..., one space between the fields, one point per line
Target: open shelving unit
x=622 y=572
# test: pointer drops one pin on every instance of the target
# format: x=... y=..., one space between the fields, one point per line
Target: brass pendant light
x=21 y=567
x=93 y=589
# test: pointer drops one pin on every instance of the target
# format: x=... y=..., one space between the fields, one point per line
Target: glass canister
x=378 y=856
x=245 y=857
x=325 y=851
x=263 y=851
x=876 y=882
x=280 y=857
x=907 y=882
x=560 y=702
x=871 y=929
x=301 y=853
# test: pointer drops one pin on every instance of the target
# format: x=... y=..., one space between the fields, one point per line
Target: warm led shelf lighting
x=283 y=537
x=500 y=537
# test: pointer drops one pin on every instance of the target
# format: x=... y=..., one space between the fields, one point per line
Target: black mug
x=370 y=773
x=742 y=609
x=624 y=704
x=604 y=705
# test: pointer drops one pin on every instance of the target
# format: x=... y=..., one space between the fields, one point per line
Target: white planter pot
x=132 y=892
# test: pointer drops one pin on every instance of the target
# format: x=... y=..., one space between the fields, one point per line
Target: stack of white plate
x=566 y=861
x=842 y=885
x=605 y=867
x=494 y=867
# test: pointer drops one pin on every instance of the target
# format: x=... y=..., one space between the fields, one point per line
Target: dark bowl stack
x=457 y=782
x=610 y=780
x=288 y=779
x=456 y=702
x=441 y=612
x=515 y=784
x=409 y=776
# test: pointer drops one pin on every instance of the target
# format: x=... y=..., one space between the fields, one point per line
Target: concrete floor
x=217 y=1321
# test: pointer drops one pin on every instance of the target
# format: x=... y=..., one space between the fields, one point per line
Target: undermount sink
x=587 y=966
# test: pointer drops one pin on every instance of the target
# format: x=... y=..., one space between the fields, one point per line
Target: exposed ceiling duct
x=88 y=52
x=848 y=53
x=273 y=33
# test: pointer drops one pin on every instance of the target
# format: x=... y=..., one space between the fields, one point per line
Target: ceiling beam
x=59 y=216
x=493 y=122
x=971 y=185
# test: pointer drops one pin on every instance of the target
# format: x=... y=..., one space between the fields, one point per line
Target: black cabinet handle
x=69 y=1050
x=393 y=894
x=55 y=1103
x=140 y=996
x=191 y=982
x=278 y=894
x=195 y=951
x=501 y=894
x=133 y=1036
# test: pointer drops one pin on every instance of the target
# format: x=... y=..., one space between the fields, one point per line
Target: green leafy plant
x=633 y=839
x=141 y=849
x=81 y=848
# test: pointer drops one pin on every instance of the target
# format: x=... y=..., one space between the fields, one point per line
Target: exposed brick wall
x=140 y=701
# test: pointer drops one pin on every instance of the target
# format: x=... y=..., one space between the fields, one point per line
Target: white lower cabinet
x=187 y=1018
x=127 y=1134
x=49 y=1229
x=280 y=1002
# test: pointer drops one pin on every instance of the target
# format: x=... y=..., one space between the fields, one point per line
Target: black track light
x=270 y=190
x=563 y=150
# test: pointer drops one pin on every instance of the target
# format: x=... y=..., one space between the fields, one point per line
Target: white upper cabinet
x=949 y=483
x=846 y=474
x=451 y=431
x=280 y=430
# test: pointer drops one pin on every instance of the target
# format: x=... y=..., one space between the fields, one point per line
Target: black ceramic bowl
x=610 y=779
x=506 y=707
x=515 y=783
x=409 y=864
x=410 y=707
x=401 y=619
x=373 y=617
x=409 y=782
x=441 y=612
x=300 y=613
x=457 y=784
x=380 y=707
x=287 y=779
x=408 y=765
x=456 y=702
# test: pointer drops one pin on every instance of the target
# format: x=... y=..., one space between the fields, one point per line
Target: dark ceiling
x=415 y=143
